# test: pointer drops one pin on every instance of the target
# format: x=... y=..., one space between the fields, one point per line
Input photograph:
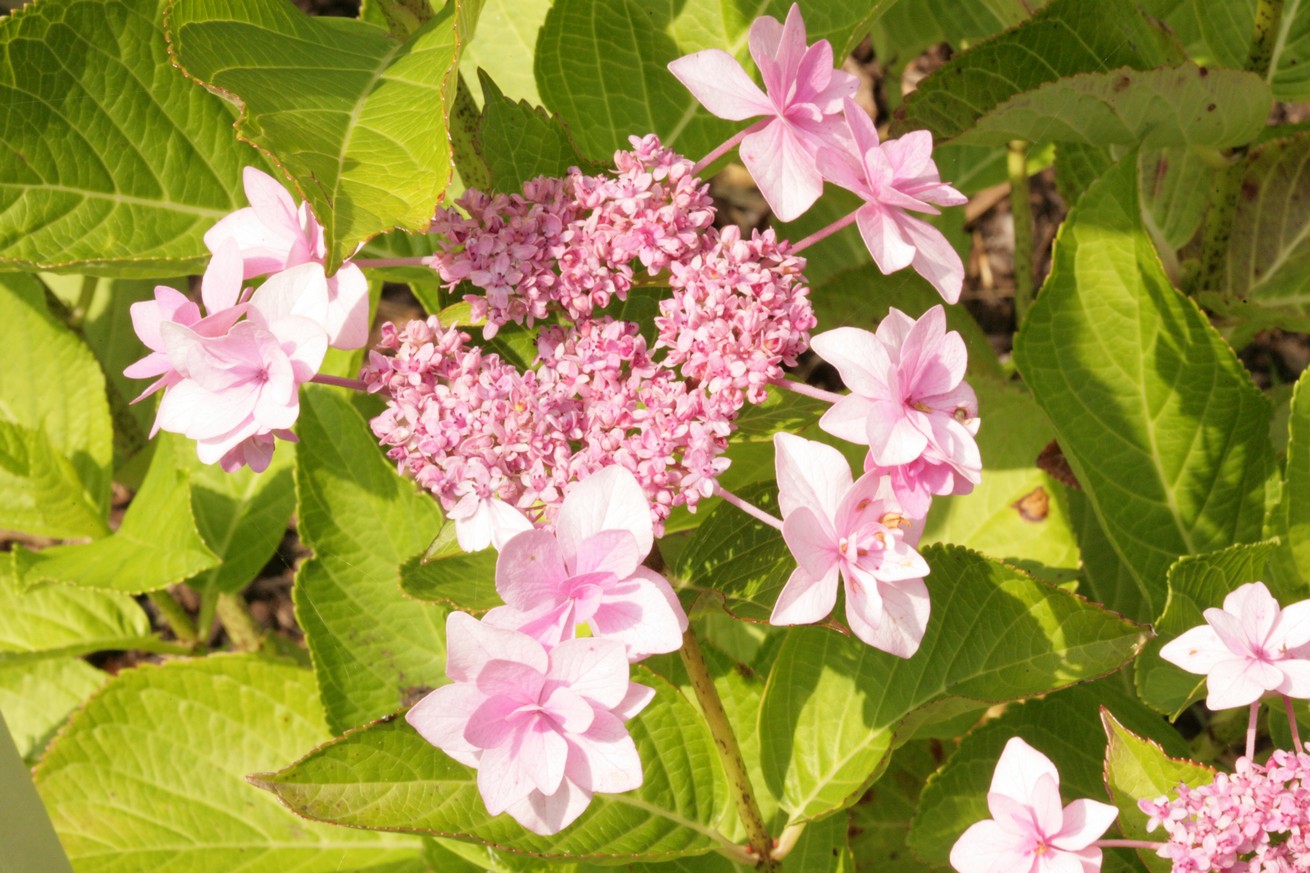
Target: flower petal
x=810 y=474
x=720 y=84
x=609 y=499
x=594 y=668
x=530 y=571
x=805 y=600
x=1084 y=822
x=783 y=167
x=549 y=814
x=471 y=645
x=643 y=613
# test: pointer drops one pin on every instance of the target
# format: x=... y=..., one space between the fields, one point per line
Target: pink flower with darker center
x=801 y=104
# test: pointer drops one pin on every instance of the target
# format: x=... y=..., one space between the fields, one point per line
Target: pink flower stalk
x=1247 y=649
x=893 y=177
x=589 y=572
x=273 y=234
x=1255 y=820
x=833 y=527
x=1029 y=832
x=240 y=388
x=543 y=727
x=800 y=104
x=908 y=403
x=220 y=290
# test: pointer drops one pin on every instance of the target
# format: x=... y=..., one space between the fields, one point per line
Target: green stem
x=85 y=298
x=234 y=615
x=176 y=615
x=1016 y=162
x=1268 y=15
x=757 y=832
x=26 y=833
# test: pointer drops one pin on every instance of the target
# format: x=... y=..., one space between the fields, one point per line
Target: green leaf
x=1017 y=513
x=1268 y=256
x=1196 y=583
x=833 y=704
x=1296 y=487
x=1137 y=768
x=508 y=40
x=1171 y=106
x=113 y=162
x=36 y=698
x=156 y=546
x=30 y=841
x=373 y=648
x=447 y=574
x=521 y=142
x=355 y=117
x=1175 y=185
x=55 y=620
x=1157 y=417
x=1228 y=27
x=150 y=775
x=1065 y=38
x=880 y=823
x=1064 y=726
x=387 y=776
x=908 y=28
x=242 y=516
x=73 y=420
x=1107 y=578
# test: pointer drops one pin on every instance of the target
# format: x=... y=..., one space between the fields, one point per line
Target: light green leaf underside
x=1296 y=486
x=386 y=775
x=1171 y=106
x=832 y=704
x=504 y=46
x=1269 y=254
x=1227 y=29
x=1159 y=420
x=65 y=433
x=36 y=698
x=156 y=546
x=355 y=117
x=112 y=162
x=373 y=648
x=151 y=776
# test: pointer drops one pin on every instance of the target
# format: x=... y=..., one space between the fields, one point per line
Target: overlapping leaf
x=1227 y=29
x=1159 y=420
x=520 y=142
x=357 y=118
x=1269 y=253
x=37 y=696
x=150 y=775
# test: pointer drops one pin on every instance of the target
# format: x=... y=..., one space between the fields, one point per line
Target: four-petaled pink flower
x=1029 y=832
x=1247 y=648
x=908 y=403
x=892 y=177
x=589 y=572
x=544 y=727
x=239 y=389
x=801 y=106
x=835 y=527
x=274 y=234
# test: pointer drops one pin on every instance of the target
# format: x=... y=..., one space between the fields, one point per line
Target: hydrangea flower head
x=1029 y=831
x=1247 y=649
x=589 y=572
x=852 y=530
x=544 y=727
x=893 y=177
x=801 y=104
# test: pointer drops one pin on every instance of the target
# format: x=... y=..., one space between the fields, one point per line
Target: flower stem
x=757 y=833
x=808 y=390
x=825 y=232
x=1250 y=730
x=393 y=262
x=234 y=615
x=1127 y=844
x=1291 y=723
x=340 y=382
x=177 y=617
x=749 y=508
x=86 y=296
x=787 y=840
x=732 y=142
x=1022 y=211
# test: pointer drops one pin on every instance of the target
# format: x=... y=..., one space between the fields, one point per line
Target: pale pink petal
x=1292 y=629
x=783 y=168
x=547 y=623
x=470 y=645
x=264 y=249
x=643 y=613
x=863 y=132
x=1296 y=678
x=858 y=356
x=935 y=259
x=634 y=701
x=609 y=499
x=1084 y=822
x=572 y=713
x=540 y=756
x=608 y=551
x=1255 y=608
x=843 y=168
x=1059 y=862
x=271 y=202
x=502 y=777
x=720 y=84
x=347 y=312
x=489 y=725
x=516 y=681
x=897 y=563
x=805 y=600
x=846 y=419
x=605 y=758
x=892 y=435
x=1047 y=813
x=812 y=542
x=1198 y=650
x=1240 y=681
x=1018 y=769
x=987 y=848
x=298 y=291
x=441 y=717
x=530 y=571
x=1232 y=630
x=894 y=328
x=809 y=474
x=884 y=236
x=548 y=815
x=594 y=668
x=506 y=521
x=220 y=286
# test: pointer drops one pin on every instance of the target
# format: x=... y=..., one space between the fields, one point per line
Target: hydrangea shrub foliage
x=633 y=536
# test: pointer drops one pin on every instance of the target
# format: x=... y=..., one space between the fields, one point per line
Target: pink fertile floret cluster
x=1255 y=820
x=470 y=426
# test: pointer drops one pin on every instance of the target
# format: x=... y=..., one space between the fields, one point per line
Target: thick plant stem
x=1016 y=162
x=177 y=617
x=340 y=382
x=757 y=833
x=85 y=298
x=240 y=625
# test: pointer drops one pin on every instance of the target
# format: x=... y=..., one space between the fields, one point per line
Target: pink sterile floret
x=893 y=177
x=855 y=530
x=801 y=104
x=1029 y=832
x=1255 y=820
x=543 y=727
x=239 y=389
x=1248 y=648
x=908 y=403
x=589 y=572
x=273 y=234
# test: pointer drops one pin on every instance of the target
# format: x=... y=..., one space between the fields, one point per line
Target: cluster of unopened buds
x=571 y=467
x=1253 y=820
